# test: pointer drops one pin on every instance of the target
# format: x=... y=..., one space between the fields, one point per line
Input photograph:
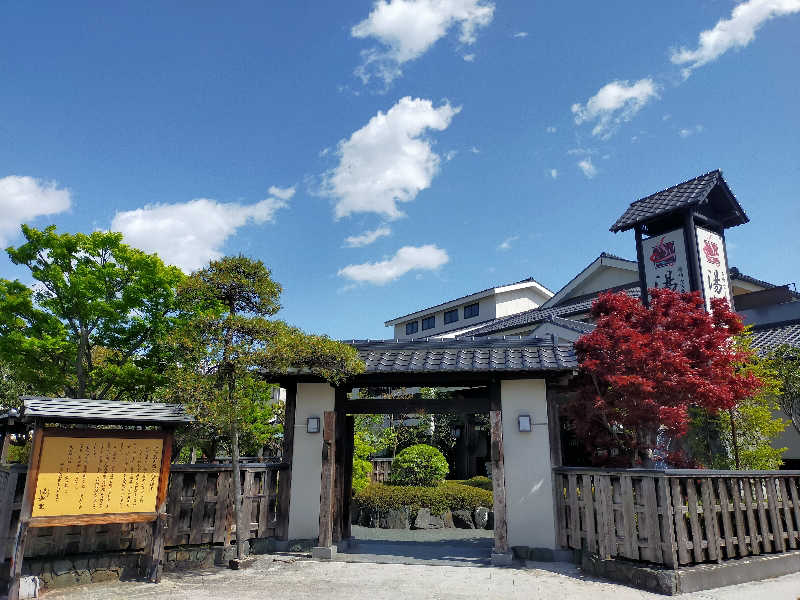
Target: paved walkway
x=288 y=577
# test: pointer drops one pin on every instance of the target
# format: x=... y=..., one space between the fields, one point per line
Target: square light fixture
x=524 y=422
x=312 y=425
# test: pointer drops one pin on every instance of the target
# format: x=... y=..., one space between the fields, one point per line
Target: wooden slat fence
x=677 y=517
x=381 y=469
x=198 y=504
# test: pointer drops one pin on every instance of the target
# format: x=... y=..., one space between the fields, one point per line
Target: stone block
x=80 y=564
x=397 y=518
x=83 y=576
x=422 y=519
x=502 y=559
x=61 y=567
x=448 y=520
x=238 y=564
x=520 y=552
x=224 y=554
x=541 y=554
x=463 y=519
x=182 y=555
x=323 y=552
x=480 y=517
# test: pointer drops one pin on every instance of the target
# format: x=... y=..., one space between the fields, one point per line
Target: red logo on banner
x=711 y=250
x=663 y=254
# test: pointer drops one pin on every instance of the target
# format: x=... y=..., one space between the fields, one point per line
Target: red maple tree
x=642 y=368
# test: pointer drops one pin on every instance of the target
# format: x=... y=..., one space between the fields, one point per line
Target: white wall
x=604 y=278
x=517 y=301
x=313 y=399
x=529 y=485
x=789 y=439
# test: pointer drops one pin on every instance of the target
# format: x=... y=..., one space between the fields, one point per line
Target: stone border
x=690 y=579
x=405 y=518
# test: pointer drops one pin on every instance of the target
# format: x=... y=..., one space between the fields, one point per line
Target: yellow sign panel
x=97 y=475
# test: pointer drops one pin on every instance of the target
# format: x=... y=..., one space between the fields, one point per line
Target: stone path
x=287 y=577
x=440 y=547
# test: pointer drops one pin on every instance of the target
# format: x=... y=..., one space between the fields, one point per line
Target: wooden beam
x=18 y=552
x=400 y=405
x=327 y=483
x=347 y=488
x=285 y=484
x=499 y=483
x=640 y=260
x=339 y=469
x=155 y=564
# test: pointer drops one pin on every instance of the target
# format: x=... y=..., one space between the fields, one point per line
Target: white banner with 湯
x=713 y=266
x=665 y=264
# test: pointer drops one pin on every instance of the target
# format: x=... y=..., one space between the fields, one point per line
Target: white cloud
x=190 y=234
x=736 y=32
x=23 y=199
x=475 y=150
x=687 y=131
x=554 y=173
x=613 y=104
x=587 y=167
x=388 y=160
x=551 y=129
x=521 y=34
x=506 y=243
x=407 y=258
x=282 y=193
x=408 y=28
x=366 y=238
x=469 y=57
x=450 y=155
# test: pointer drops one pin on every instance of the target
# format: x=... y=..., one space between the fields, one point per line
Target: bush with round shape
x=420 y=465
x=439 y=499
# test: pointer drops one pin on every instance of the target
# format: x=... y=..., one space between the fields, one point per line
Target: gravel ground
x=288 y=577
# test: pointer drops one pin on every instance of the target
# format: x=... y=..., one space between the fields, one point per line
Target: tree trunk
x=237 y=486
x=83 y=345
x=734 y=440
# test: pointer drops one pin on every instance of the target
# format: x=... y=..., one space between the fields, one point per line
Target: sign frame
x=97 y=519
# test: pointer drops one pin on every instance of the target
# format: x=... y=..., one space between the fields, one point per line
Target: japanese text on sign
x=97 y=475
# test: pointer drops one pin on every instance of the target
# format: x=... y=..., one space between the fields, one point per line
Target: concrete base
x=238 y=564
x=323 y=552
x=347 y=544
x=502 y=559
x=695 y=578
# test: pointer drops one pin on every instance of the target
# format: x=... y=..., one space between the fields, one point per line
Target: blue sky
x=383 y=157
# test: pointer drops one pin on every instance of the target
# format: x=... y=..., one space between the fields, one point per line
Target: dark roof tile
x=689 y=193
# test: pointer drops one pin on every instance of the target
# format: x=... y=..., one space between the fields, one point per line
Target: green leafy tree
x=229 y=345
x=786 y=360
x=94 y=323
x=741 y=437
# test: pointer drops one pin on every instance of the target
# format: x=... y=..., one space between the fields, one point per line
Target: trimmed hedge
x=481 y=482
x=441 y=498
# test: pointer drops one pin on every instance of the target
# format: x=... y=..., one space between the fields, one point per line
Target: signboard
x=665 y=264
x=89 y=474
x=713 y=266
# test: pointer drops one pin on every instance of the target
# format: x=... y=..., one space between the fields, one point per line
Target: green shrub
x=481 y=482
x=441 y=498
x=419 y=465
x=361 y=471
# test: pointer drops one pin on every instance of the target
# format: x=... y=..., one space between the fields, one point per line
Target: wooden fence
x=677 y=517
x=198 y=504
x=381 y=469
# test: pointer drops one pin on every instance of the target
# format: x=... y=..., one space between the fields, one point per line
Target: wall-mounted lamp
x=524 y=422
x=312 y=425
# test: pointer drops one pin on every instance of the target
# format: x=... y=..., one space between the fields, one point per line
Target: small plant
x=479 y=481
x=439 y=499
x=419 y=465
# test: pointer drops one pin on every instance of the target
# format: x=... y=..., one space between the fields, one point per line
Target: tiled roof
x=689 y=193
x=768 y=337
x=537 y=315
x=447 y=355
x=102 y=411
x=572 y=324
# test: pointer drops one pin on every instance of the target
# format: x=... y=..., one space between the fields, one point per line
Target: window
x=429 y=322
x=411 y=327
x=471 y=310
x=451 y=316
